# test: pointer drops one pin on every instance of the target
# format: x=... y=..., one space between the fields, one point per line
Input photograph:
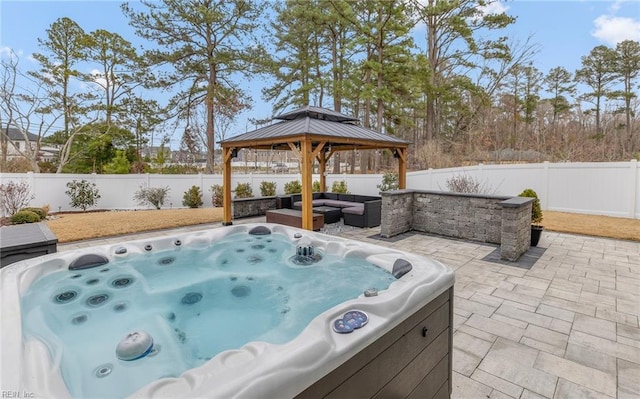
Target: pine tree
x=201 y=44
x=597 y=73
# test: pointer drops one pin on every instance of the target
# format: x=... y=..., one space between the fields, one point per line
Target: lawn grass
x=592 y=225
x=82 y=226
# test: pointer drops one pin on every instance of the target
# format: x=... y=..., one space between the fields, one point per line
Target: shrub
x=151 y=196
x=14 y=196
x=293 y=187
x=25 y=217
x=118 y=165
x=316 y=187
x=217 y=195
x=466 y=184
x=389 y=182
x=244 y=190
x=339 y=187
x=536 y=211
x=42 y=214
x=192 y=197
x=267 y=188
x=82 y=193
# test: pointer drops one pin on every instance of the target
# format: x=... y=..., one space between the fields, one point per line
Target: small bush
x=536 y=210
x=268 y=188
x=244 y=190
x=155 y=196
x=14 y=196
x=83 y=194
x=192 y=197
x=25 y=217
x=389 y=182
x=293 y=187
x=339 y=187
x=42 y=214
x=466 y=184
x=119 y=164
x=217 y=195
x=316 y=187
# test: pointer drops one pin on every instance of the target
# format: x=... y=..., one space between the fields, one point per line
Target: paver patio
x=565 y=328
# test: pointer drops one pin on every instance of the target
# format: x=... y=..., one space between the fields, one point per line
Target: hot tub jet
x=305 y=253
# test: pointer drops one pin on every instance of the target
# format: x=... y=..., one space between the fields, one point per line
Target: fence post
x=32 y=183
x=544 y=203
x=633 y=187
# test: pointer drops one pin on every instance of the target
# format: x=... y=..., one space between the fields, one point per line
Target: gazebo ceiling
x=317 y=124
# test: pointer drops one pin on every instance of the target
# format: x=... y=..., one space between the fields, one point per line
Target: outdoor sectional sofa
x=357 y=210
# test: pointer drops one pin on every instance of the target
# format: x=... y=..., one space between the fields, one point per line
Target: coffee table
x=293 y=217
x=331 y=214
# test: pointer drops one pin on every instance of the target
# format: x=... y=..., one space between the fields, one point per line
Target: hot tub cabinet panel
x=413 y=360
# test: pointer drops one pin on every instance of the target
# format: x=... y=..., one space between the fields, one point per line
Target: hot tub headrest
x=88 y=261
x=260 y=231
x=400 y=268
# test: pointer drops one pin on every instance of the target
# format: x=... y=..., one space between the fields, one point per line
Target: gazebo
x=311 y=133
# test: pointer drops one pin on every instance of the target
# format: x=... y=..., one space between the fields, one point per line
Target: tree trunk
x=210 y=119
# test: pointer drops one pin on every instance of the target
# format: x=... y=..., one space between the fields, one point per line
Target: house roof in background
x=16 y=135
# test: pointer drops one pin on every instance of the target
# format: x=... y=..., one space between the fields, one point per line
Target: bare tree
x=20 y=110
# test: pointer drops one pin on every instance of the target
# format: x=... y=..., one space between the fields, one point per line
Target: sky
x=564 y=31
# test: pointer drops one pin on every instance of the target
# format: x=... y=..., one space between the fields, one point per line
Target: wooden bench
x=293 y=218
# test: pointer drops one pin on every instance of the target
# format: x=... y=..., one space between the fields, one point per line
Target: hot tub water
x=194 y=301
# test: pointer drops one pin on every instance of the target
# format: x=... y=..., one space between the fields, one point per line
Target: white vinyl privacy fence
x=611 y=188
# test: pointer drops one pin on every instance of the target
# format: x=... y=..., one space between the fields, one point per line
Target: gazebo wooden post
x=307 y=191
x=402 y=168
x=226 y=187
x=322 y=158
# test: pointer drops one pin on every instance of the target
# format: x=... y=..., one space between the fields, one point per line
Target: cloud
x=494 y=7
x=615 y=6
x=613 y=30
x=98 y=78
x=9 y=53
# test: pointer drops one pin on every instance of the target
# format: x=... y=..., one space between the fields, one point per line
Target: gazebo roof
x=321 y=125
x=312 y=133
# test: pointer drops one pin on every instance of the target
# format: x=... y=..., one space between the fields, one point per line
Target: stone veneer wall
x=255 y=206
x=487 y=218
x=516 y=227
x=397 y=212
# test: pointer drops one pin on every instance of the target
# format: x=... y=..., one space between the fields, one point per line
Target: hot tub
x=247 y=311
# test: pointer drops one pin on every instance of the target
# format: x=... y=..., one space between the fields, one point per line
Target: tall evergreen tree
x=454 y=45
x=559 y=82
x=598 y=74
x=142 y=117
x=202 y=44
x=382 y=29
x=627 y=67
x=66 y=45
x=298 y=64
x=119 y=68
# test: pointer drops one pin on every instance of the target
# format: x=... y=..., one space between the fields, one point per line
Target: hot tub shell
x=403 y=351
